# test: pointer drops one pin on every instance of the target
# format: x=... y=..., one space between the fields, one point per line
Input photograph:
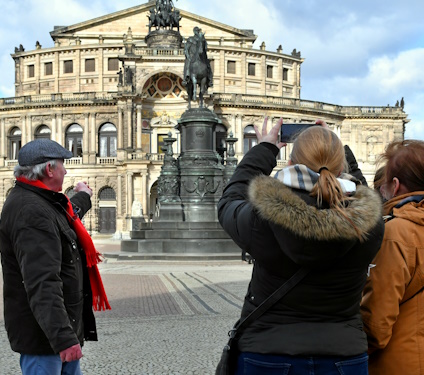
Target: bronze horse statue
x=197 y=70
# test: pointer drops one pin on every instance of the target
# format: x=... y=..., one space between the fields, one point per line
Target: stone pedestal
x=189 y=189
x=201 y=172
x=164 y=39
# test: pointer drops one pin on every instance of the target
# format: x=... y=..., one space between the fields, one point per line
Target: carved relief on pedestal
x=201 y=186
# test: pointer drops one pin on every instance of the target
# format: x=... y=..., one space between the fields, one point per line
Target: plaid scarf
x=299 y=176
x=92 y=256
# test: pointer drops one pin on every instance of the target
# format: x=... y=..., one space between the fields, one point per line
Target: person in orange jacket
x=393 y=302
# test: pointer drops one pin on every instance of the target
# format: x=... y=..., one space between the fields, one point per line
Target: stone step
x=180 y=246
x=180 y=225
x=174 y=257
x=180 y=234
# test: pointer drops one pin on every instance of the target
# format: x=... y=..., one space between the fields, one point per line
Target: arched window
x=14 y=143
x=107 y=140
x=107 y=194
x=221 y=145
x=249 y=138
x=73 y=140
x=70 y=192
x=42 y=131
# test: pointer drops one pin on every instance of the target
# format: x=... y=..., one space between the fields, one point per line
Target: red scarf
x=100 y=301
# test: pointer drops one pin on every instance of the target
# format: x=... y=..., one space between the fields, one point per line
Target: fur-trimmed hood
x=277 y=203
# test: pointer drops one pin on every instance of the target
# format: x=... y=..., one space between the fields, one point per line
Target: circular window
x=164 y=84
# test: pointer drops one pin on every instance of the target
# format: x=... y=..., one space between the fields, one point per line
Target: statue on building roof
x=164 y=15
x=402 y=103
x=295 y=53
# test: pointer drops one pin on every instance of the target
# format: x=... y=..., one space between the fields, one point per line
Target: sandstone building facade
x=109 y=98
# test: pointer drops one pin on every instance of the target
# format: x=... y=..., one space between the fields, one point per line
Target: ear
x=396 y=186
x=49 y=170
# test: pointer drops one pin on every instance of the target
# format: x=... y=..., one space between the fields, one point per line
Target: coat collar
x=279 y=204
x=50 y=195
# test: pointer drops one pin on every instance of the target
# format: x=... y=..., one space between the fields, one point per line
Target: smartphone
x=288 y=132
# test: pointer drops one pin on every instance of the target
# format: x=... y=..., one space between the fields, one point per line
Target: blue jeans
x=261 y=364
x=48 y=365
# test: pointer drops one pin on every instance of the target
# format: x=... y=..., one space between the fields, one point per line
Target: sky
x=357 y=52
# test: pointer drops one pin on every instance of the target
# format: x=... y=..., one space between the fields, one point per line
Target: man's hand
x=322 y=123
x=71 y=354
x=83 y=186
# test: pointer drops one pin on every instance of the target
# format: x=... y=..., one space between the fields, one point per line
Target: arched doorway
x=107 y=210
x=220 y=141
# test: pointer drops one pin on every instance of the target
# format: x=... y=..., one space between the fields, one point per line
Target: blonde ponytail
x=322 y=151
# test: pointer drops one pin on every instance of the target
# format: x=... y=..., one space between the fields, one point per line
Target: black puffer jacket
x=283 y=230
x=47 y=295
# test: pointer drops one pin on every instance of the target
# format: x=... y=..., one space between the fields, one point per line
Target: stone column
x=119 y=195
x=60 y=137
x=85 y=146
x=92 y=157
x=37 y=68
x=144 y=192
x=243 y=73
x=77 y=70
x=120 y=130
x=54 y=130
x=3 y=146
x=56 y=72
x=239 y=134
x=29 y=130
x=24 y=130
x=138 y=128
x=154 y=141
x=100 y=56
x=280 y=77
x=129 y=125
x=223 y=71
x=129 y=193
x=263 y=75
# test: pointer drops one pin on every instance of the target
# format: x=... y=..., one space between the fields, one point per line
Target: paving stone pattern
x=168 y=318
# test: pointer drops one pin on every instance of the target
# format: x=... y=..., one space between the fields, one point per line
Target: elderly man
x=51 y=280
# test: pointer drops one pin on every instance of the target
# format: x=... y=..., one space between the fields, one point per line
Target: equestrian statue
x=197 y=67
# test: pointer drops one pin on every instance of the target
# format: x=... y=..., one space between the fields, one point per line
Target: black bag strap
x=269 y=302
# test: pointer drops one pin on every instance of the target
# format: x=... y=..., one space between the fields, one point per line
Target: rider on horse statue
x=197 y=67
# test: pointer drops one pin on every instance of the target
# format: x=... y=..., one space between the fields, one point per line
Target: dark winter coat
x=47 y=295
x=283 y=229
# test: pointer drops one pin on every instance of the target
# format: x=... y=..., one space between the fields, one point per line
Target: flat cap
x=41 y=150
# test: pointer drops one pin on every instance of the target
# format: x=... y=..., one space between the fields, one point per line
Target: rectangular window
x=68 y=66
x=251 y=69
x=285 y=74
x=48 y=69
x=231 y=67
x=161 y=143
x=90 y=65
x=269 y=71
x=31 y=71
x=113 y=64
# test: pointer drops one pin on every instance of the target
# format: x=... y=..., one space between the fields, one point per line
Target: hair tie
x=322 y=169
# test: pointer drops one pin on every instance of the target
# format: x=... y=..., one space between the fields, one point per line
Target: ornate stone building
x=111 y=97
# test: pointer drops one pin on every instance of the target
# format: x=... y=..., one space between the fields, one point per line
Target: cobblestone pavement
x=168 y=318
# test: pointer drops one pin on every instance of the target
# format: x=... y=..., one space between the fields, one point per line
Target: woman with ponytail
x=309 y=216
